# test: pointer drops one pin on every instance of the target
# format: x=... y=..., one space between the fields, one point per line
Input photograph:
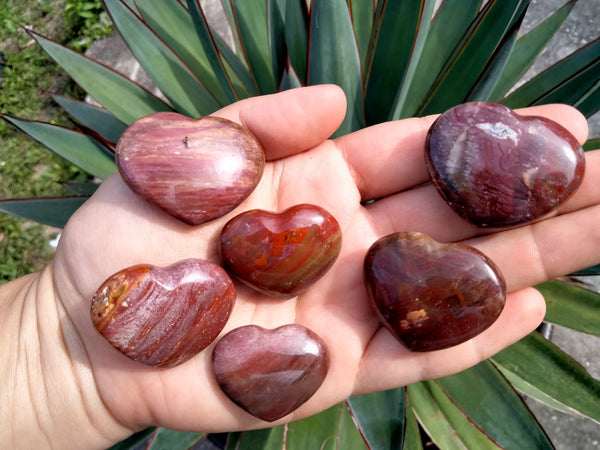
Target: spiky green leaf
x=333 y=57
x=163 y=66
x=53 y=211
x=561 y=74
x=363 y=13
x=473 y=54
x=75 y=147
x=174 y=25
x=509 y=424
x=127 y=100
x=448 y=27
x=296 y=36
x=251 y=21
x=571 y=306
x=527 y=48
x=165 y=439
x=543 y=371
x=380 y=417
x=396 y=30
x=97 y=119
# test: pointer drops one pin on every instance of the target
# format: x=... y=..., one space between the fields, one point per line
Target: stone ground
x=566 y=431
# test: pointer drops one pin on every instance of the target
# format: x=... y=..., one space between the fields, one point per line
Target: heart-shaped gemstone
x=431 y=295
x=281 y=254
x=496 y=168
x=194 y=169
x=270 y=373
x=163 y=316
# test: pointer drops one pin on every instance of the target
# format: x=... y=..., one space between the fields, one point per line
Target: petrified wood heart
x=194 y=169
x=496 y=168
x=430 y=295
x=281 y=254
x=163 y=316
x=270 y=373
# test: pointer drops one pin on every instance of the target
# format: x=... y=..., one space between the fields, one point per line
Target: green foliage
x=393 y=59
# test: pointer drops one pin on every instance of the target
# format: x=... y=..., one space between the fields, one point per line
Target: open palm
x=116 y=229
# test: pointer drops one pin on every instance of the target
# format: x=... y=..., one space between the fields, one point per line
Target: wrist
x=48 y=390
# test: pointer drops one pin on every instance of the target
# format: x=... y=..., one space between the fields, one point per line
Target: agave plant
x=394 y=59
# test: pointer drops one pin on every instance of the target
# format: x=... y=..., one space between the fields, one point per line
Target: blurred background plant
x=27 y=74
x=394 y=59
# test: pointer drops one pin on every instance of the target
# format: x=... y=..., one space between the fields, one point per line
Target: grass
x=26 y=76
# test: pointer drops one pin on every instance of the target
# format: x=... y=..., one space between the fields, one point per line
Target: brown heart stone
x=194 y=169
x=430 y=295
x=270 y=373
x=496 y=168
x=163 y=316
x=281 y=254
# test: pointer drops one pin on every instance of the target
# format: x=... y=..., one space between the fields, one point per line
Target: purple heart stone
x=430 y=295
x=196 y=170
x=270 y=373
x=496 y=168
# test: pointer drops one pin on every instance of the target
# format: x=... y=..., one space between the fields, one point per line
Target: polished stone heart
x=431 y=295
x=270 y=373
x=281 y=254
x=194 y=169
x=163 y=316
x=496 y=168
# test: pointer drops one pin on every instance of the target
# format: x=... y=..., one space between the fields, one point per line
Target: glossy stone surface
x=496 y=168
x=163 y=316
x=270 y=373
x=194 y=169
x=429 y=295
x=281 y=254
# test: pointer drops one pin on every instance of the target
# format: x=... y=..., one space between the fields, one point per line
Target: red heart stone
x=163 y=316
x=281 y=254
x=194 y=169
x=496 y=168
x=431 y=295
x=270 y=373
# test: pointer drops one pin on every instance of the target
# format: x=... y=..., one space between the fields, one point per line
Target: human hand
x=116 y=229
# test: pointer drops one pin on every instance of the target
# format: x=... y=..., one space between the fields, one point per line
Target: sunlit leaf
x=446 y=425
x=527 y=48
x=333 y=57
x=165 y=439
x=75 y=147
x=472 y=55
x=571 y=306
x=98 y=119
x=174 y=25
x=127 y=100
x=509 y=424
x=53 y=211
x=395 y=34
x=331 y=429
x=362 y=20
x=252 y=24
x=557 y=75
x=296 y=36
x=173 y=78
x=534 y=361
x=210 y=50
x=265 y=439
x=592 y=144
x=380 y=417
x=448 y=27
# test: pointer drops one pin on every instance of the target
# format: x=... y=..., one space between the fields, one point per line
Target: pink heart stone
x=270 y=373
x=496 y=168
x=163 y=316
x=194 y=169
x=281 y=254
x=430 y=295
